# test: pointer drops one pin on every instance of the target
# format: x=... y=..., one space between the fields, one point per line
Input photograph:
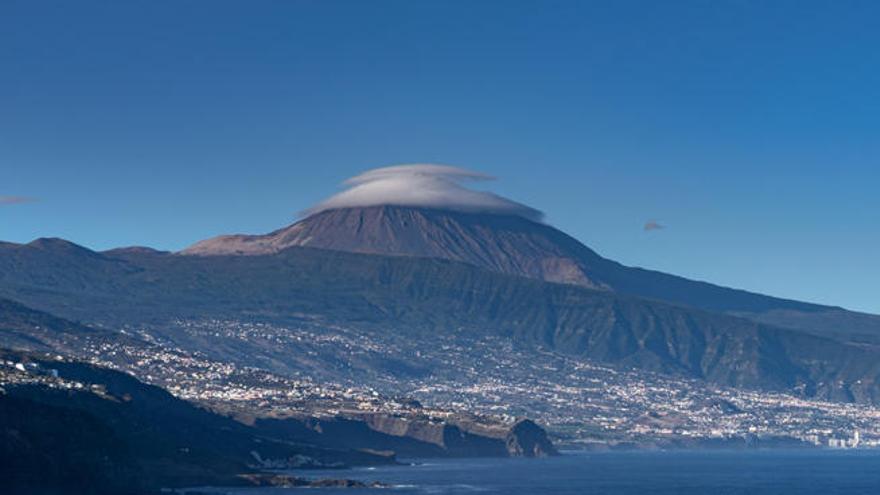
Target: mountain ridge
x=518 y=246
x=504 y=243
x=417 y=295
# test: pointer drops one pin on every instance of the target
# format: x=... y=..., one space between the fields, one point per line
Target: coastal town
x=582 y=404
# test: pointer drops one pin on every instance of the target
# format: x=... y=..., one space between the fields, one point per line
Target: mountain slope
x=412 y=296
x=71 y=427
x=331 y=440
x=518 y=246
x=24 y=328
x=507 y=244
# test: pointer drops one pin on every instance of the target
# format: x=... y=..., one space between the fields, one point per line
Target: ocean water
x=628 y=473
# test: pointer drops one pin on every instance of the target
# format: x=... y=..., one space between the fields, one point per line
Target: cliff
x=68 y=427
x=413 y=435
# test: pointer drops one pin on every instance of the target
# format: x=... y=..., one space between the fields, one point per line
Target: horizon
x=740 y=150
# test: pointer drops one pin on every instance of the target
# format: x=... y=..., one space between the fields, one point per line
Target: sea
x=745 y=472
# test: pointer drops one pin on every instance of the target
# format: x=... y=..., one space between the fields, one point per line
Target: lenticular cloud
x=424 y=186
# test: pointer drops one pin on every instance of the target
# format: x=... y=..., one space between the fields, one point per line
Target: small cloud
x=653 y=225
x=15 y=200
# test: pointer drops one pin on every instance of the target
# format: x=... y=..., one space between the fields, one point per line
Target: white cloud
x=425 y=186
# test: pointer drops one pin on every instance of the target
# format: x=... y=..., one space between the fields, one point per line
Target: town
x=583 y=404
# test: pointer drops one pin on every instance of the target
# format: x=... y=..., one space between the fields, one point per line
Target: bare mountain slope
x=503 y=243
x=516 y=245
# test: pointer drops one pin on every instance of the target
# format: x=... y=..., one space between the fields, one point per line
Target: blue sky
x=749 y=129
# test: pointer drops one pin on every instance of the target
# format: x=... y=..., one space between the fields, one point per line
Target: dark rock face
x=467 y=439
x=527 y=439
x=454 y=439
x=46 y=449
x=118 y=435
x=285 y=481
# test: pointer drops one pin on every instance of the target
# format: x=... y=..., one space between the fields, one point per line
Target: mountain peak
x=56 y=244
x=133 y=250
x=506 y=243
x=51 y=242
x=509 y=244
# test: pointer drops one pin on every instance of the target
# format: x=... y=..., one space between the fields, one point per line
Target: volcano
x=503 y=243
x=409 y=252
x=424 y=211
